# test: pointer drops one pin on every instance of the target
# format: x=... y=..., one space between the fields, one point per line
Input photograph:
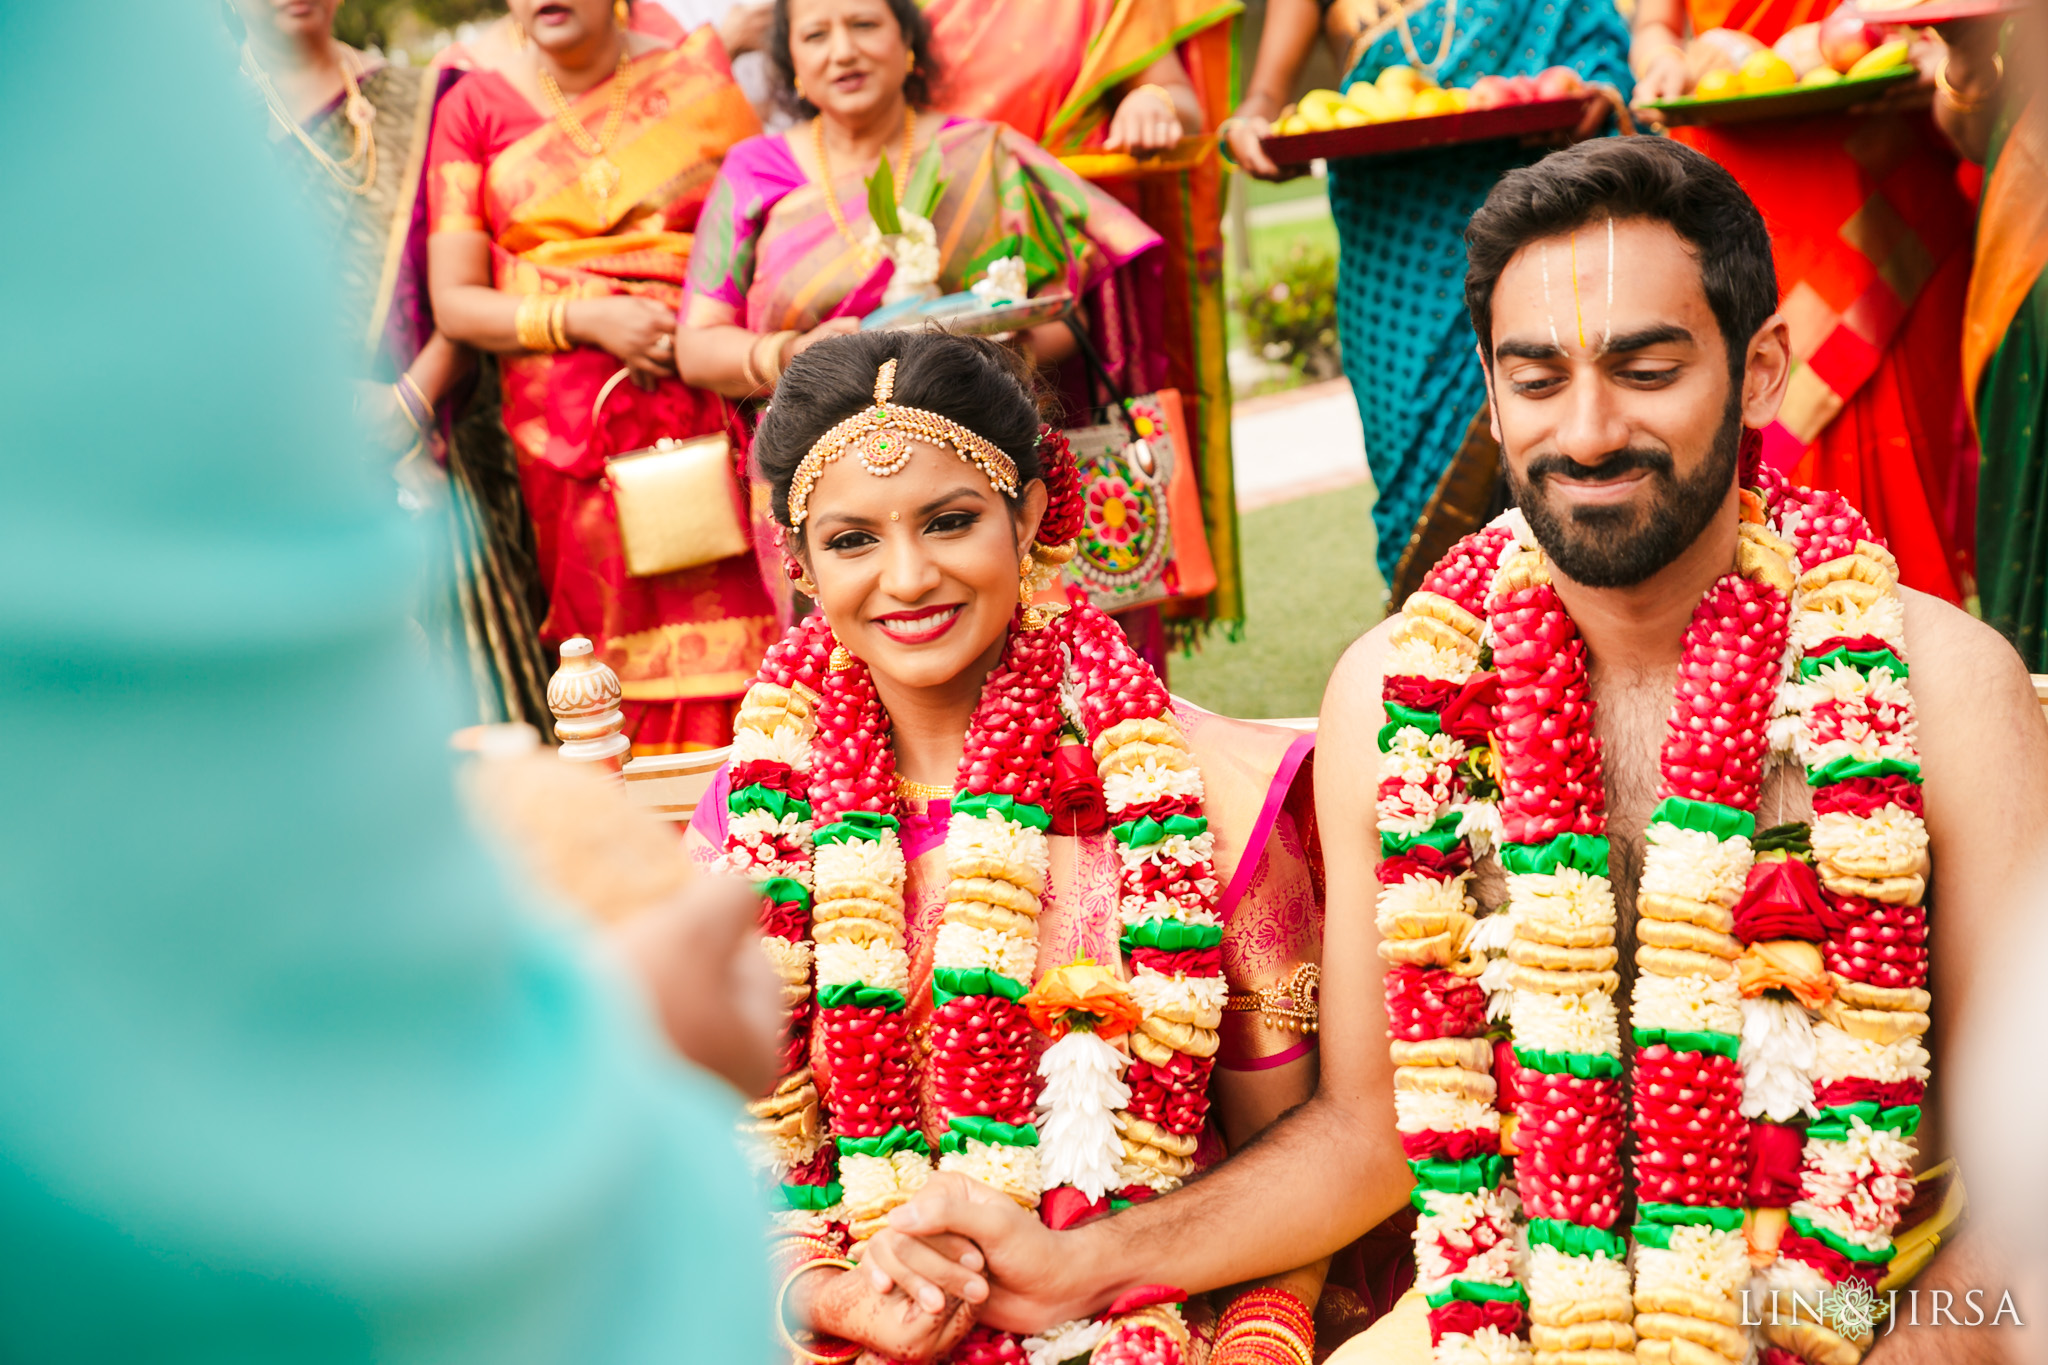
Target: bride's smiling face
x=917 y=571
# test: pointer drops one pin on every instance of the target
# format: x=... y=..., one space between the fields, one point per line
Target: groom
x=1624 y=295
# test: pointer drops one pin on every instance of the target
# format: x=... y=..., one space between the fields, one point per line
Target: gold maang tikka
x=881 y=435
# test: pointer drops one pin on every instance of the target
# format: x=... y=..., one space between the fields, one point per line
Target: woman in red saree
x=1872 y=238
x=591 y=206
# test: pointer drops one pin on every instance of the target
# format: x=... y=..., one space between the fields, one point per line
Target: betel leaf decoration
x=925 y=189
x=882 y=199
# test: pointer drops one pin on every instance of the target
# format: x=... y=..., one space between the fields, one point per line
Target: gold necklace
x=921 y=791
x=902 y=173
x=1443 y=47
x=602 y=175
x=355 y=108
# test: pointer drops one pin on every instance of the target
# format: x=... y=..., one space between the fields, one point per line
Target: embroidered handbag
x=1142 y=537
x=678 y=501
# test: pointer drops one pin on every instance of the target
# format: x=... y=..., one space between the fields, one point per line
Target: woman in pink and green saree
x=782 y=256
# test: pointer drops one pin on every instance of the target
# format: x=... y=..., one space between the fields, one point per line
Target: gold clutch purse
x=678 y=501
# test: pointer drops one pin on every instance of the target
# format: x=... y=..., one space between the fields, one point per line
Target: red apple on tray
x=1800 y=47
x=1524 y=88
x=1558 y=82
x=1846 y=37
x=1491 y=92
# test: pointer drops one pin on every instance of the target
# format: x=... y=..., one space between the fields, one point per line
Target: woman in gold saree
x=562 y=190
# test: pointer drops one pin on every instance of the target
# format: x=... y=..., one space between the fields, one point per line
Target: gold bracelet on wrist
x=1956 y=99
x=782 y=1311
x=1153 y=87
x=758 y=374
x=778 y=343
x=558 y=324
x=529 y=324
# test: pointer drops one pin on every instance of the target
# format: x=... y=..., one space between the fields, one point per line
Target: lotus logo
x=1851 y=1308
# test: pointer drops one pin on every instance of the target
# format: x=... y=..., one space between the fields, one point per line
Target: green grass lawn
x=1311 y=588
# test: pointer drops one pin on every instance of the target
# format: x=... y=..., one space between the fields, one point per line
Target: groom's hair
x=1631 y=177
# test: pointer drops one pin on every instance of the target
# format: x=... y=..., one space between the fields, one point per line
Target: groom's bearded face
x=1619 y=422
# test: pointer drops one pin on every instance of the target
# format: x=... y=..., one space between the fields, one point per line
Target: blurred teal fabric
x=286 y=1074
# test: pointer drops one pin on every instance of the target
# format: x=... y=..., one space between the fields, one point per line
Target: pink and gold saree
x=767 y=245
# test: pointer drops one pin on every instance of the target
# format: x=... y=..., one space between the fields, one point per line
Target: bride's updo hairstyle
x=974 y=382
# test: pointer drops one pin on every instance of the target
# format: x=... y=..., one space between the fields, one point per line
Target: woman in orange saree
x=560 y=242
x=1872 y=238
x=1080 y=76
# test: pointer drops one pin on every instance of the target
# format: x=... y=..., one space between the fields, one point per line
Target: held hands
x=958 y=1239
x=886 y=1321
x=640 y=332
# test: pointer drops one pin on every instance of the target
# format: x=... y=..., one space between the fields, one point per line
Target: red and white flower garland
x=1848 y=718
x=1435 y=777
x=1728 y=929
x=813 y=816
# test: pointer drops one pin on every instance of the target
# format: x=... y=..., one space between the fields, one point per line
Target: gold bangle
x=411 y=386
x=755 y=374
x=529 y=325
x=405 y=409
x=772 y=371
x=558 y=324
x=1172 y=105
x=1969 y=106
x=782 y=1311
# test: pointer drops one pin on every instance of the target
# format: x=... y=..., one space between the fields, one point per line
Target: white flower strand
x=1077 y=1133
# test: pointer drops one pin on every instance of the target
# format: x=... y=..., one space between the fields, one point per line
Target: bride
x=1038 y=922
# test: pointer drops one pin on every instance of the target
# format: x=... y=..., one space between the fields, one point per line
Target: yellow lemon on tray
x=1350 y=116
x=1291 y=126
x=1880 y=59
x=1717 y=85
x=1431 y=102
x=1401 y=78
x=1765 y=71
x=1320 y=108
x=1366 y=98
x=1821 y=75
